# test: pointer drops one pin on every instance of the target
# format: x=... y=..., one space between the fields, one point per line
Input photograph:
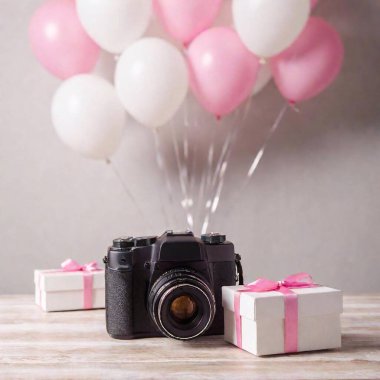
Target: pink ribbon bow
x=299 y=280
x=70 y=265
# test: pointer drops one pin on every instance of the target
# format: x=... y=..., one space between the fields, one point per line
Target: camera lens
x=183 y=309
x=181 y=304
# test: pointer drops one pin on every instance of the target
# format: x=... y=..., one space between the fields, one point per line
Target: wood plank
x=36 y=345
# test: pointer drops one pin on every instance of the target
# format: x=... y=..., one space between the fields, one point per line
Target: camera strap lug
x=239 y=269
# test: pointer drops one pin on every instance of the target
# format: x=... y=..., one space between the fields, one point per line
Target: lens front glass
x=183 y=309
x=181 y=304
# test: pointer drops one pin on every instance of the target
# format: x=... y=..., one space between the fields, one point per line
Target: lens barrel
x=181 y=304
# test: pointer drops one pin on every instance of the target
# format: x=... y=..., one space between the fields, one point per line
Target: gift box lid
x=55 y=280
x=319 y=300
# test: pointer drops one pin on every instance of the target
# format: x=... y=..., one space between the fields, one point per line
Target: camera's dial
x=143 y=241
x=123 y=243
x=213 y=238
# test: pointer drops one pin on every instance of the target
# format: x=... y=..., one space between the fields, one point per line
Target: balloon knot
x=218 y=117
x=263 y=61
x=293 y=105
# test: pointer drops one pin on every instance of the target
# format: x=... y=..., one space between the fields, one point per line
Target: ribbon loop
x=71 y=265
x=91 y=267
x=299 y=280
x=261 y=285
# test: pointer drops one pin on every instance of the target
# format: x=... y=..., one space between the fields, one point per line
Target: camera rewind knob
x=123 y=242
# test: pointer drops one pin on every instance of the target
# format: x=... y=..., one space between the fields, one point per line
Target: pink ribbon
x=299 y=280
x=70 y=265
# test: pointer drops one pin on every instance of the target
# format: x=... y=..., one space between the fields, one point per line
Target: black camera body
x=168 y=286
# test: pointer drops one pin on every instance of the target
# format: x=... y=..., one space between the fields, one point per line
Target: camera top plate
x=213 y=238
x=180 y=233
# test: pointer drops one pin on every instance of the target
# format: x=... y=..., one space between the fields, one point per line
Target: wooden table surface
x=75 y=345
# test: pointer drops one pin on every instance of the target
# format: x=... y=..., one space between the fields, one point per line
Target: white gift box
x=263 y=315
x=57 y=290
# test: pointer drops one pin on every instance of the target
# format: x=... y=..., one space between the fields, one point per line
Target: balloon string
x=217 y=181
x=229 y=143
x=188 y=150
x=163 y=168
x=224 y=152
x=222 y=165
x=192 y=171
x=212 y=175
x=259 y=155
x=186 y=139
x=185 y=203
x=211 y=180
x=205 y=175
x=129 y=194
x=188 y=172
x=191 y=163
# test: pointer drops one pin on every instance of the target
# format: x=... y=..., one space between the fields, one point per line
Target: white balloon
x=267 y=27
x=151 y=80
x=88 y=116
x=264 y=76
x=114 y=24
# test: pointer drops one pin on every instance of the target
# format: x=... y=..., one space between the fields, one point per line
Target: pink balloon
x=222 y=70
x=311 y=63
x=185 y=19
x=59 y=41
x=313 y=3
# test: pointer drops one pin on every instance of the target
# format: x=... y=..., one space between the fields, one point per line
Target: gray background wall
x=313 y=205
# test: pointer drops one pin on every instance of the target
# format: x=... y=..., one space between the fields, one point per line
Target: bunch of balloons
x=219 y=63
